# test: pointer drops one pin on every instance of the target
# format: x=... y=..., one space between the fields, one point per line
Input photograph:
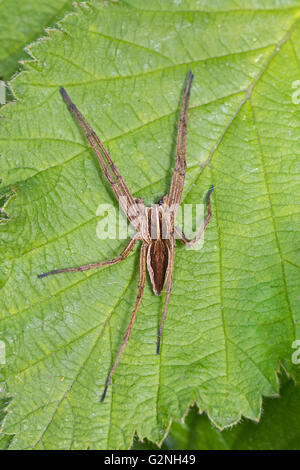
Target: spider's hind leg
x=87 y=267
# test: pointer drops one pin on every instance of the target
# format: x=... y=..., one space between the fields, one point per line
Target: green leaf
x=233 y=312
x=18 y=30
x=279 y=428
x=5 y=439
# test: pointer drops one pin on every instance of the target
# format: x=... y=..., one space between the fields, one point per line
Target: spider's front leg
x=194 y=240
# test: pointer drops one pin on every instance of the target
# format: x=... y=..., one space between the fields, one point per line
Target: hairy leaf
x=233 y=312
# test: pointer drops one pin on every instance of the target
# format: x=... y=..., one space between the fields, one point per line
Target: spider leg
x=194 y=240
x=168 y=295
x=178 y=177
x=142 y=280
x=114 y=178
x=86 y=267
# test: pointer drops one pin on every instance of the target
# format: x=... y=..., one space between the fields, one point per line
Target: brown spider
x=154 y=225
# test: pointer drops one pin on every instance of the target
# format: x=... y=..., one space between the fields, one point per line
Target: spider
x=154 y=225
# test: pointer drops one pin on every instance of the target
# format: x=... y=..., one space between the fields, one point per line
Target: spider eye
x=163 y=200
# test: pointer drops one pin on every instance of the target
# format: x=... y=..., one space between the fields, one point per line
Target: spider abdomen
x=158 y=255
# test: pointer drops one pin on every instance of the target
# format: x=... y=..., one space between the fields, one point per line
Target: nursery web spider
x=154 y=225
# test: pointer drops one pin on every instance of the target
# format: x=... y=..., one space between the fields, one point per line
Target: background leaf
x=233 y=314
x=18 y=30
x=278 y=429
x=5 y=439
